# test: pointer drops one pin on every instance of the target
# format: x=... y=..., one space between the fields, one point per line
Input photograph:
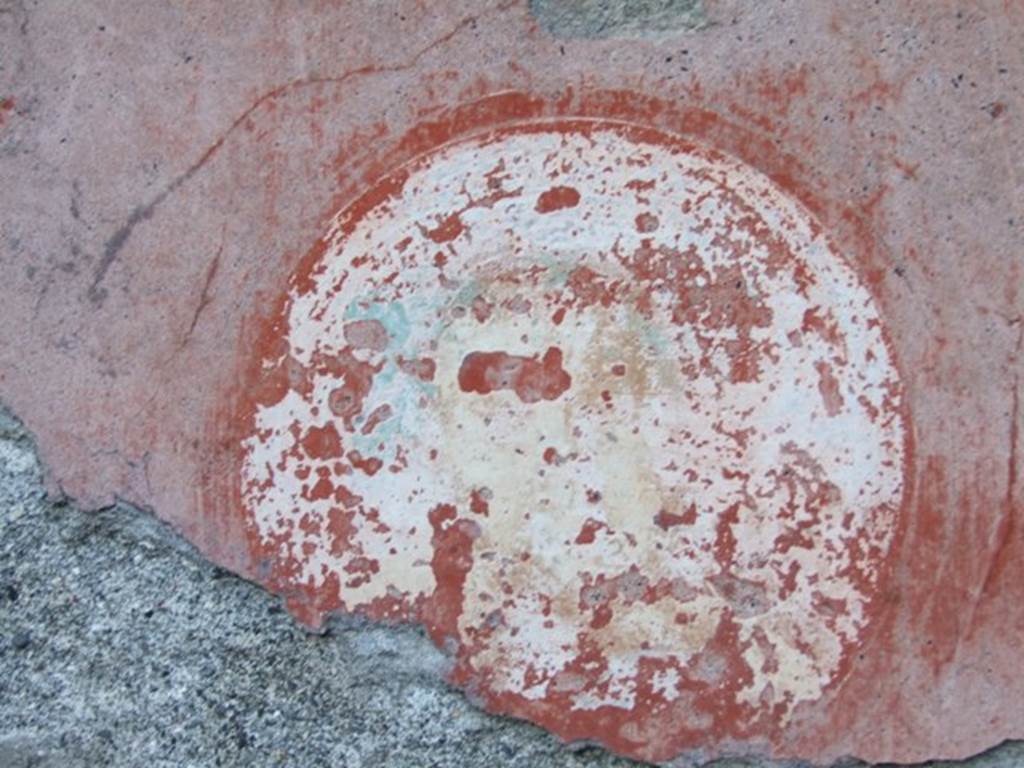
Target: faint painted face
x=602 y=409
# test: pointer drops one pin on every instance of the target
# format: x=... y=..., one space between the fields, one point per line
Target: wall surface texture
x=648 y=371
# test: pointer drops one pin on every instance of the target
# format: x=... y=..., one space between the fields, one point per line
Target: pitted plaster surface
x=171 y=166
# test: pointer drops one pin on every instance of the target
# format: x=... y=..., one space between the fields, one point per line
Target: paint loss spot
x=602 y=410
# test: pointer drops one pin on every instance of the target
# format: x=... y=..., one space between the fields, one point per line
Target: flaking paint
x=699 y=502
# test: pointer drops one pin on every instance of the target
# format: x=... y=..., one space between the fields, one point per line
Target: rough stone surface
x=121 y=646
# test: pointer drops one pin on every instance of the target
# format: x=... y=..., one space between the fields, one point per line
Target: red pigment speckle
x=646 y=222
x=362 y=568
x=6 y=105
x=346 y=498
x=423 y=369
x=323 y=489
x=602 y=616
x=725 y=539
x=481 y=309
x=370 y=466
x=828 y=385
x=447 y=230
x=588 y=533
x=826 y=327
x=557 y=198
x=346 y=401
x=550 y=455
x=322 y=442
x=452 y=560
x=341 y=528
x=868 y=407
x=590 y=288
x=478 y=501
x=274 y=383
x=379 y=414
x=640 y=186
x=665 y=519
x=531 y=379
x=367 y=334
x=558 y=316
x=618 y=369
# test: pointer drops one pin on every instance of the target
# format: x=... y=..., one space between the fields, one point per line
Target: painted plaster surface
x=665 y=379
x=603 y=409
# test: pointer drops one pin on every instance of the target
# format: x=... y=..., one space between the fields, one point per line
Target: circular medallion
x=601 y=408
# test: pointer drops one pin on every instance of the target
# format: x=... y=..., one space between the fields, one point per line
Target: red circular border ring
x=641 y=732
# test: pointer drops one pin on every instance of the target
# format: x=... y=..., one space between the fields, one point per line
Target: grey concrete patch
x=120 y=646
x=617 y=18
